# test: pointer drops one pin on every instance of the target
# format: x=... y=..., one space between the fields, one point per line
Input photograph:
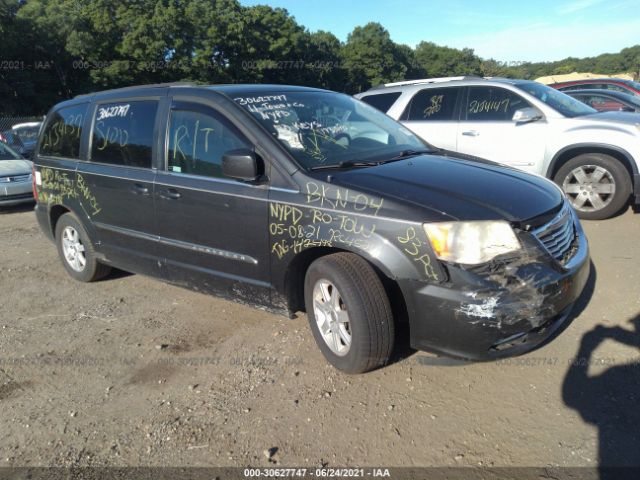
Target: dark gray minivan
x=300 y=199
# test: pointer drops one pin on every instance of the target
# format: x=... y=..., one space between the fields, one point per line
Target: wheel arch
x=571 y=151
x=296 y=270
x=55 y=212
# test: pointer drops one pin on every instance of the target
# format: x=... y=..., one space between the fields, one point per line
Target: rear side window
x=198 y=138
x=578 y=86
x=616 y=88
x=123 y=133
x=602 y=103
x=433 y=104
x=61 y=136
x=492 y=104
x=382 y=101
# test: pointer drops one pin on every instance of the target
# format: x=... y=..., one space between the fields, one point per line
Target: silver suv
x=592 y=155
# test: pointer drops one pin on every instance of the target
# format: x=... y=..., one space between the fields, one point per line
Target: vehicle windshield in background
x=563 y=103
x=321 y=129
x=10 y=138
x=28 y=134
x=7 y=154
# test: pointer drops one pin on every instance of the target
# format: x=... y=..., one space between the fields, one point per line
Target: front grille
x=16 y=178
x=559 y=235
x=18 y=196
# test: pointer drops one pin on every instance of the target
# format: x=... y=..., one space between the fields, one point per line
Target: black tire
x=92 y=269
x=618 y=174
x=365 y=300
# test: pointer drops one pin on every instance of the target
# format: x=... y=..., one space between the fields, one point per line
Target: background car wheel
x=76 y=250
x=349 y=312
x=597 y=185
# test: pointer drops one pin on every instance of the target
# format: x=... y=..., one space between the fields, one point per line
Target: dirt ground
x=131 y=371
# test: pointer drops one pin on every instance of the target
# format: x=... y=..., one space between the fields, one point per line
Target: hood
x=626 y=118
x=459 y=189
x=9 y=168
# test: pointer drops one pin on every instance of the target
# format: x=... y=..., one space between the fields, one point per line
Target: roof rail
x=427 y=80
x=134 y=87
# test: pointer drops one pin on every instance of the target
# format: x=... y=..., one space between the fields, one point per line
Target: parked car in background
x=615 y=84
x=13 y=141
x=22 y=137
x=15 y=178
x=594 y=157
x=606 y=100
x=297 y=198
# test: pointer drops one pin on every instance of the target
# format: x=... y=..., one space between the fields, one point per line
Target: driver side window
x=492 y=104
x=198 y=138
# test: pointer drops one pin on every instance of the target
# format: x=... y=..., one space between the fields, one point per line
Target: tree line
x=56 y=49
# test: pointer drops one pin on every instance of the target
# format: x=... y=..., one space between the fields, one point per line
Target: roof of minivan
x=234 y=89
x=229 y=89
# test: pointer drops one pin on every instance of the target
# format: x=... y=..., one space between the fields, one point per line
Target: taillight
x=33 y=183
x=3 y=138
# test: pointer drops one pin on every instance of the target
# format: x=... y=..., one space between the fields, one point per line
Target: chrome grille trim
x=558 y=236
x=15 y=178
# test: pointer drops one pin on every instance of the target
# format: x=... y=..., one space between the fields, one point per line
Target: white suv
x=593 y=156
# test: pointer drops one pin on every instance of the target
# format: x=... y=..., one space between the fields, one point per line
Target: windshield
x=632 y=100
x=28 y=134
x=563 y=103
x=321 y=129
x=6 y=153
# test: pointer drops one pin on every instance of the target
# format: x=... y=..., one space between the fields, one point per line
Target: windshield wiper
x=341 y=165
x=409 y=153
x=349 y=164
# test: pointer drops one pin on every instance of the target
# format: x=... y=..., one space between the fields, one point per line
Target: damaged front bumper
x=505 y=312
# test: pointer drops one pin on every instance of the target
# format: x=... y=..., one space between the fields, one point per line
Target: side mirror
x=526 y=115
x=241 y=164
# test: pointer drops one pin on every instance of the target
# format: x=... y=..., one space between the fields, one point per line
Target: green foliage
x=440 y=61
x=55 y=49
x=626 y=61
x=370 y=57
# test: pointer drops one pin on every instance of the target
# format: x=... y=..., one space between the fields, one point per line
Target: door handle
x=471 y=133
x=170 y=194
x=140 y=189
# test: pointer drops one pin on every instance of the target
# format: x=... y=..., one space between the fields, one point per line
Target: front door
x=213 y=230
x=487 y=130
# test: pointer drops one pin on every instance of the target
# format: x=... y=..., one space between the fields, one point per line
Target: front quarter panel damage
x=324 y=215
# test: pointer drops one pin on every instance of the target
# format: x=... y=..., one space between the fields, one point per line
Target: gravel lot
x=131 y=371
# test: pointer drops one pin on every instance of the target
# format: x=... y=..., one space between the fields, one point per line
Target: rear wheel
x=597 y=185
x=349 y=312
x=76 y=250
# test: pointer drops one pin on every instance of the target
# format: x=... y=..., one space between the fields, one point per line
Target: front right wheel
x=597 y=185
x=349 y=312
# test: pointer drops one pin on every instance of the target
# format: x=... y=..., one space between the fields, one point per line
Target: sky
x=506 y=30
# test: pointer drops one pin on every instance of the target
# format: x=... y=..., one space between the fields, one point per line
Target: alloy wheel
x=332 y=317
x=73 y=249
x=589 y=188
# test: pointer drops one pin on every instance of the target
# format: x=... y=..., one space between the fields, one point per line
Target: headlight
x=471 y=243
